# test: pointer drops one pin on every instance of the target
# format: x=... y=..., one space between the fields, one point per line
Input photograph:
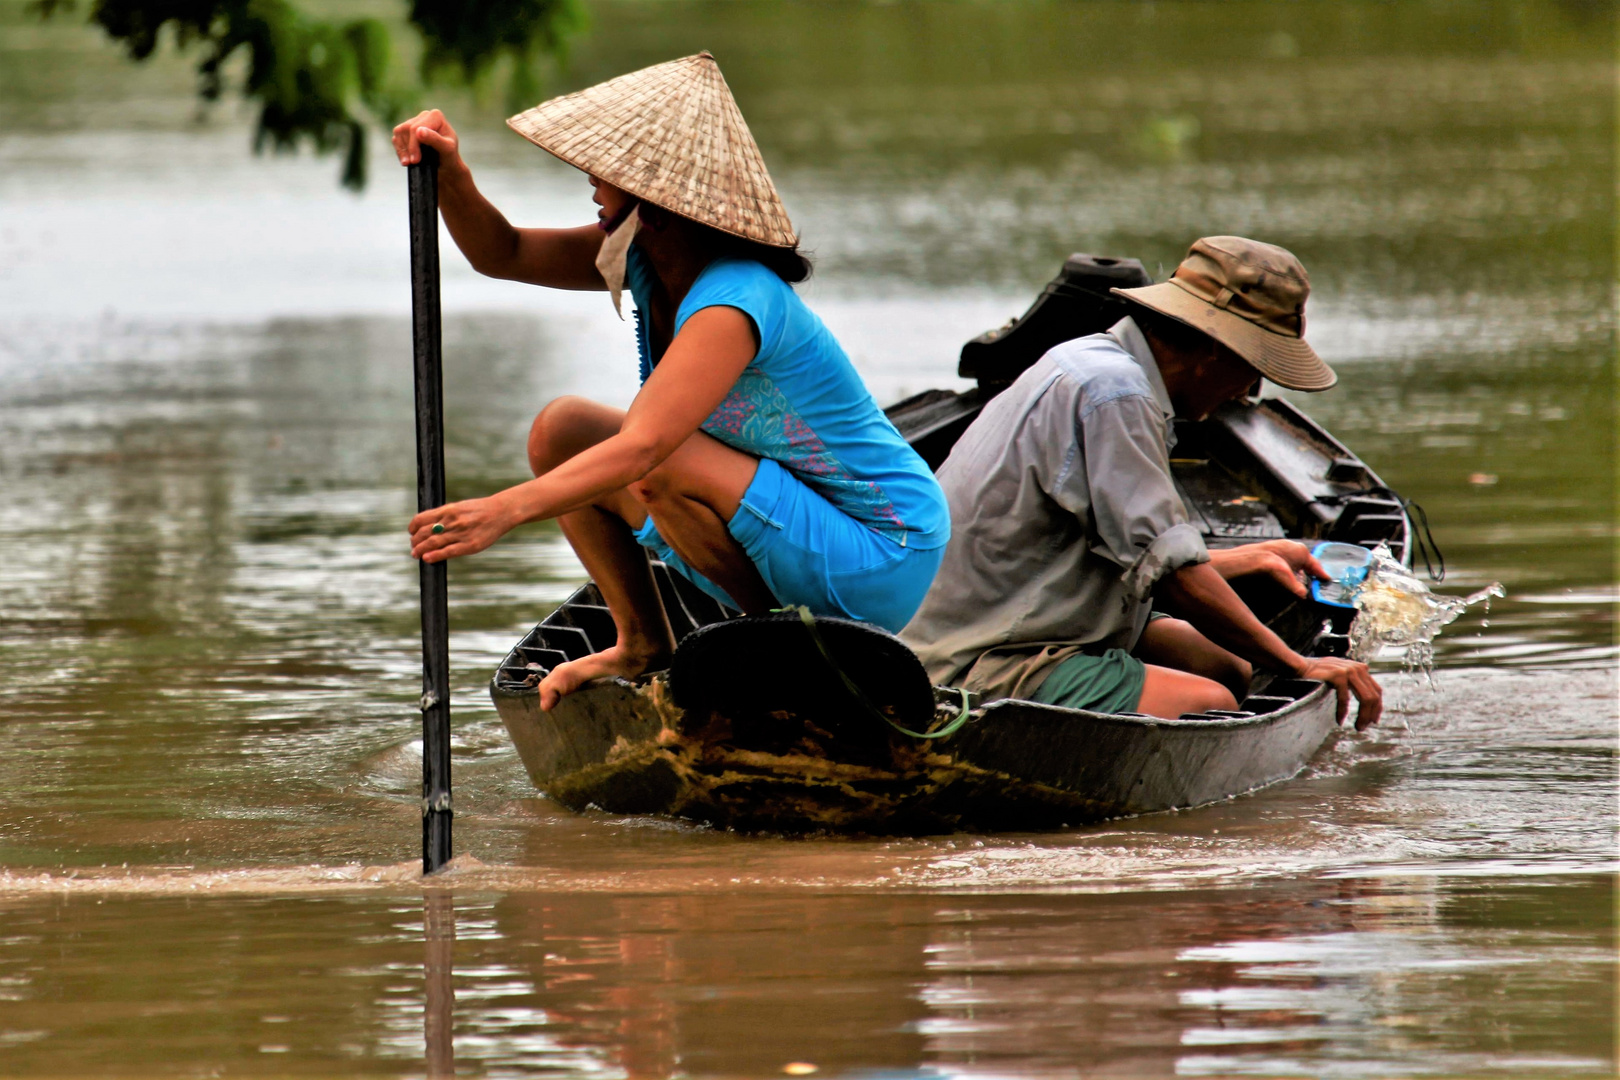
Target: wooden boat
x=754 y=726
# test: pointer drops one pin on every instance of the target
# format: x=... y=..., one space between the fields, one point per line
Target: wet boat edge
x=626 y=748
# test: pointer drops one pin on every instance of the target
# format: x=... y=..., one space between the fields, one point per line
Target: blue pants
x=810 y=552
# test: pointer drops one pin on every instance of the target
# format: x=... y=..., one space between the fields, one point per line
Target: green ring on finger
x=437 y=529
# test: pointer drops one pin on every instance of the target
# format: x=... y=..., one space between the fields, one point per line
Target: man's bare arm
x=1281 y=560
x=1199 y=594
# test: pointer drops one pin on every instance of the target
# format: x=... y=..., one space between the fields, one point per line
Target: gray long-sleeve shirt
x=1063 y=513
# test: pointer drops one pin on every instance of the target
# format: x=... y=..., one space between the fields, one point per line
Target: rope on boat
x=951 y=728
x=1422 y=538
x=1425 y=540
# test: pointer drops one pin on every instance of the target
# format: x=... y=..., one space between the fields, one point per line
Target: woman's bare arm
x=695 y=375
x=558 y=258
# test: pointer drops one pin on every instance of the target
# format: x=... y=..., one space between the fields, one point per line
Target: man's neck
x=1172 y=365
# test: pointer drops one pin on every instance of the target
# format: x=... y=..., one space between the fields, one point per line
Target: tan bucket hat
x=673 y=136
x=1250 y=297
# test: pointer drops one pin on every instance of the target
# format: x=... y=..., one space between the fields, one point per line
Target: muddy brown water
x=208 y=776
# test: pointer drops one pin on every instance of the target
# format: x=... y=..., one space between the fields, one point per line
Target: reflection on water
x=208 y=627
x=1354 y=977
x=438 y=983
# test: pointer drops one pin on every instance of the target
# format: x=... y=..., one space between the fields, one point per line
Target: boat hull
x=628 y=749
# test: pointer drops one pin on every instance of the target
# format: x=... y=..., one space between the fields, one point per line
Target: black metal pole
x=423 y=183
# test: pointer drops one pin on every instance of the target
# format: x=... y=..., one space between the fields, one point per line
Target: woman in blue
x=753 y=461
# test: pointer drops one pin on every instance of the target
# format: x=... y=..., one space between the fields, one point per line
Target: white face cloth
x=615 y=250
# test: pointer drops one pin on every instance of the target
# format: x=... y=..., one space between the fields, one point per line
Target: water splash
x=1396 y=610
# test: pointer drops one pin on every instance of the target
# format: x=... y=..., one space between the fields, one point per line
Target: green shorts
x=1107 y=683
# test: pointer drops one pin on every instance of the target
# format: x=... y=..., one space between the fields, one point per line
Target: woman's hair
x=789 y=264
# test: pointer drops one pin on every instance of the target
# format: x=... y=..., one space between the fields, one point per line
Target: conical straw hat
x=672 y=135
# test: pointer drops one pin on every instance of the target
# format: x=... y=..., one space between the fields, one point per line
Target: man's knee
x=567 y=426
x=1212 y=695
x=1173 y=643
x=1235 y=674
x=1170 y=693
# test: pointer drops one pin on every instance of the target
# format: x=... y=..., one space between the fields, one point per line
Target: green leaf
x=322 y=84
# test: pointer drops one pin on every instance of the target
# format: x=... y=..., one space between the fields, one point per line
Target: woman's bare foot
x=619 y=660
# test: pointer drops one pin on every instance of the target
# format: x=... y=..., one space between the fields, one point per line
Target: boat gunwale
x=1220 y=723
x=1122 y=720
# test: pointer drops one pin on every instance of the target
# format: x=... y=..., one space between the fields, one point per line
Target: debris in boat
x=690 y=765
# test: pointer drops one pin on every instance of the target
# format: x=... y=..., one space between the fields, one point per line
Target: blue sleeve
x=747 y=286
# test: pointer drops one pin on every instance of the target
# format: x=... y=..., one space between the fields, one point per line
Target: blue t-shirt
x=801 y=403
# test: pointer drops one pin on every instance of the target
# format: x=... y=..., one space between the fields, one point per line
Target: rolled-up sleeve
x=1178 y=546
x=1139 y=521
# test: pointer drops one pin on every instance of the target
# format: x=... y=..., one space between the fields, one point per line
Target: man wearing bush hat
x=1249 y=297
x=1066 y=524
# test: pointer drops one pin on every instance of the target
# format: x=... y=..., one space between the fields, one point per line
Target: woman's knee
x=682 y=475
x=656 y=487
x=567 y=426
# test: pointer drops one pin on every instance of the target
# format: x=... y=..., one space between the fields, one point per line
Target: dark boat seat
x=768 y=667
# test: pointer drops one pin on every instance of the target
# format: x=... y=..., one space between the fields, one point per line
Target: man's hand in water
x=465 y=528
x=1284 y=561
x=429 y=128
x=1348 y=677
